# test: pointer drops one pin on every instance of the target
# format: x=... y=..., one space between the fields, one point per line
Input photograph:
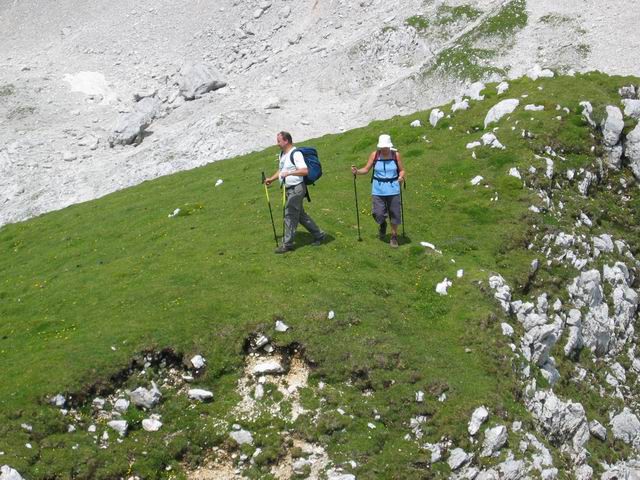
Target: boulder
x=626 y=427
x=632 y=150
x=267 y=367
x=512 y=470
x=623 y=470
x=435 y=116
x=564 y=422
x=130 y=127
x=460 y=105
x=494 y=439
x=628 y=91
x=632 y=108
x=612 y=126
x=198 y=79
x=502 y=87
x=8 y=473
x=141 y=397
x=121 y=405
x=478 y=417
x=151 y=424
x=198 y=361
x=490 y=140
x=500 y=109
x=587 y=110
x=200 y=394
x=242 y=437
x=120 y=426
x=474 y=91
x=597 y=430
x=457 y=458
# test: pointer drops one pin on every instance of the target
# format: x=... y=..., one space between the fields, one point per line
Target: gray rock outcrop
x=130 y=127
x=564 y=422
x=626 y=427
x=494 y=439
x=612 y=127
x=198 y=79
x=200 y=394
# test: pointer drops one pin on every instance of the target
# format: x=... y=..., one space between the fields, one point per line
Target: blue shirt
x=386 y=170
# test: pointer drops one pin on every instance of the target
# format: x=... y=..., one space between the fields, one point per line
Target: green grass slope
x=86 y=289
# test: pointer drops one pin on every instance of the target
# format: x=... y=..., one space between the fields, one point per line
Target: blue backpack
x=310 y=156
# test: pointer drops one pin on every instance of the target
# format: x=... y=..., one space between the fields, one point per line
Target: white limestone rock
x=441 y=288
x=564 y=422
x=500 y=109
x=474 y=91
x=435 y=116
x=267 y=367
x=478 y=417
x=416 y=123
x=198 y=361
x=457 y=458
x=121 y=405
x=8 y=473
x=152 y=424
x=141 y=397
x=612 y=126
x=587 y=110
x=198 y=79
x=598 y=430
x=514 y=172
x=632 y=108
x=502 y=87
x=536 y=72
x=476 y=180
x=626 y=427
x=632 y=150
x=242 y=437
x=200 y=394
x=460 y=105
x=490 y=140
x=120 y=426
x=494 y=439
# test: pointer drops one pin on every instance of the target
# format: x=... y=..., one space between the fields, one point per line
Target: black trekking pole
x=355 y=191
x=402 y=207
x=266 y=191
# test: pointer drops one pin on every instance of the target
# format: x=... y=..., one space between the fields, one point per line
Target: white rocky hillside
x=98 y=96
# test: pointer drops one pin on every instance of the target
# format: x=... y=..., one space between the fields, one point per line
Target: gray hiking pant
x=294 y=213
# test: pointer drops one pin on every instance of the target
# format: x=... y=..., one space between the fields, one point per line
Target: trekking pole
x=266 y=191
x=355 y=191
x=284 y=203
x=402 y=207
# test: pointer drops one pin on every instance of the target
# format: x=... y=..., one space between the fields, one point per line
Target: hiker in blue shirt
x=291 y=170
x=388 y=173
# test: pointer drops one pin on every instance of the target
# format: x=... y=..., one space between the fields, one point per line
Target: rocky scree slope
x=74 y=78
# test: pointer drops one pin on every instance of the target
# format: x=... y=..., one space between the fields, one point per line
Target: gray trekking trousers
x=294 y=213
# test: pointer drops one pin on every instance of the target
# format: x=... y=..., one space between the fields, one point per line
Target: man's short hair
x=286 y=136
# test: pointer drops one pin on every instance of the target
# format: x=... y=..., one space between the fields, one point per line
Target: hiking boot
x=382 y=230
x=318 y=241
x=283 y=249
x=394 y=241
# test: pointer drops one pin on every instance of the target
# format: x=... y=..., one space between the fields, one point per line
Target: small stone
x=198 y=361
x=121 y=405
x=120 y=426
x=200 y=394
x=416 y=123
x=331 y=315
x=151 y=424
x=457 y=458
x=281 y=326
x=242 y=437
x=420 y=396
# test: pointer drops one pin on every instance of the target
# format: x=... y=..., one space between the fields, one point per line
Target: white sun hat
x=384 y=141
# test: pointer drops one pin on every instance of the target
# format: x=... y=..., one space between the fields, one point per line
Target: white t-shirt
x=286 y=165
